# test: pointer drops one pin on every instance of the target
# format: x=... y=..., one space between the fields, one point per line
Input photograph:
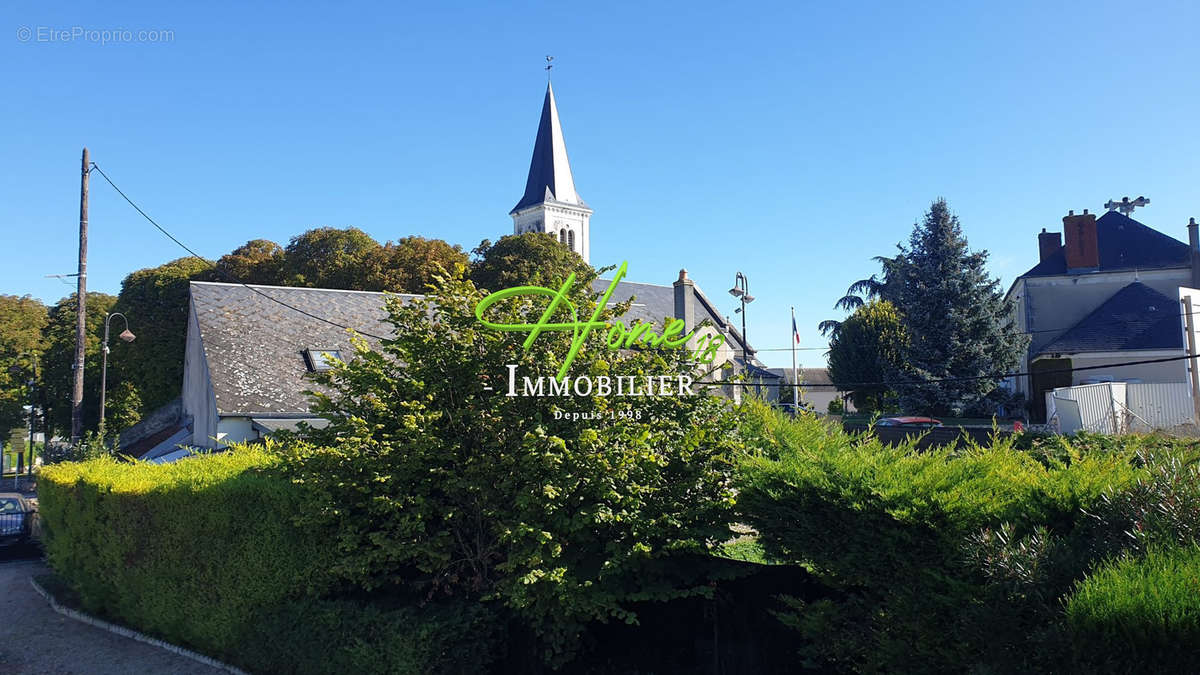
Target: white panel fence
x=1120 y=407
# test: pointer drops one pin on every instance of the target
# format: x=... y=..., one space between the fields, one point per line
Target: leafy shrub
x=439 y=484
x=886 y=527
x=91 y=446
x=311 y=636
x=190 y=551
x=1139 y=614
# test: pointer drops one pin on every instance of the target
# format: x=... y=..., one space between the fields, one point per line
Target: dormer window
x=321 y=360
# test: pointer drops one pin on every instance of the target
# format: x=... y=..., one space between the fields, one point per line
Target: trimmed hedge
x=888 y=529
x=189 y=551
x=1139 y=614
x=204 y=553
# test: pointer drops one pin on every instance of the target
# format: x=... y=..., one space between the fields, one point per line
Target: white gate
x=1158 y=406
x=1120 y=407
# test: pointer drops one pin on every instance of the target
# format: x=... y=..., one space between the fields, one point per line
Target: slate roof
x=652 y=303
x=550 y=176
x=254 y=346
x=807 y=375
x=1135 y=317
x=1124 y=243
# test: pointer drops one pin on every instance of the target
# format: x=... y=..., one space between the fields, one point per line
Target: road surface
x=36 y=640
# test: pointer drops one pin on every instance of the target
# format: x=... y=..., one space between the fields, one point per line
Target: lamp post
x=741 y=291
x=126 y=336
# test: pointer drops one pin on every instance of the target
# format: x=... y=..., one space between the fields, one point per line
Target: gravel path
x=34 y=639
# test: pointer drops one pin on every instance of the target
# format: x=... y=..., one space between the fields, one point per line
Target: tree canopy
x=533 y=258
x=155 y=302
x=22 y=321
x=444 y=485
x=955 y=316
x=868 y=347
x=59 y=358
x=258 y=261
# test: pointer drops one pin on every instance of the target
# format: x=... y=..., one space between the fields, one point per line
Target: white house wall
x=1059 y=302
x=199 y=401
x=235 y=430
x=1170 y=371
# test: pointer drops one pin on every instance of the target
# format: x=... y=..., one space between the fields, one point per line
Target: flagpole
x=795 y=373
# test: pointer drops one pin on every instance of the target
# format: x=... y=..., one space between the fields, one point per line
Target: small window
x=320 y=360
x=571 y=239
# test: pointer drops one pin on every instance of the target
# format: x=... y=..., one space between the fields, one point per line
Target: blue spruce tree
x=956 y=319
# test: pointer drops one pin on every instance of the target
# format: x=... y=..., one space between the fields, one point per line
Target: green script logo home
x=620 y=336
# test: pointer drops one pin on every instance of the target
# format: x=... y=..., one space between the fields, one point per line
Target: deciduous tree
x=531 y=258
x=328 y=257
x=561 y=509
x=409 y=265
x=868 y=347
x=59 y=358
x=258 y=261
x=155 y=301
x=22 y=320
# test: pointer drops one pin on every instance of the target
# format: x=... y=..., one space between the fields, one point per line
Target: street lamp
x=741 y=291
x=126 y=336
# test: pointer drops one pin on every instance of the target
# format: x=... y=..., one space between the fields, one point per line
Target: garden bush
x=206 y=553
x=891 y=529
x=190 y=551
x=562 y=510
x=1139 y=614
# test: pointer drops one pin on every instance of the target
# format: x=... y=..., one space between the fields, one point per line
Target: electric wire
x=845 y=386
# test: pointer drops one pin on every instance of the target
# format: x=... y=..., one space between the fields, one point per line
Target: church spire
x=550 y=204
x=550 y=176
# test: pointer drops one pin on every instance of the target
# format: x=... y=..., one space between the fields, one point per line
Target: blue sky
x=790 y=141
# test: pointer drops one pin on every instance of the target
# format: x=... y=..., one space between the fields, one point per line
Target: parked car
x=16 y=519
x=909 y=422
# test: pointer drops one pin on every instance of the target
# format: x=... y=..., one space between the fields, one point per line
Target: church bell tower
x=550 y=203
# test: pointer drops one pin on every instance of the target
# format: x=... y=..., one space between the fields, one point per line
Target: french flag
x=795 y=332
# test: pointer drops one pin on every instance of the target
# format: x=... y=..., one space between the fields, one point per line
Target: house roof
x=807 y=375
x=1135 y=317
x=652 y=303
x=1123 y=244
x=757 y=370
x=255 y=346
x=550 y=178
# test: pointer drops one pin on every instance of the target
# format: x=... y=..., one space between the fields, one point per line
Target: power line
x=221 y=272
x=843 y=387
x=852 y=386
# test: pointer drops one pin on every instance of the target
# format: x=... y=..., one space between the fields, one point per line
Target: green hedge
x=204 y=553
x=1139 y=614
x=189 y=551
x=889 y=531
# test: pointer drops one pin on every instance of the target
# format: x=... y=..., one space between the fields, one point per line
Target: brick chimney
x=1048 y=244
x=1083 y=252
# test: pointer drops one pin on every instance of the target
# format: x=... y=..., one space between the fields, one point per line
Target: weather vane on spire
x=549 y=64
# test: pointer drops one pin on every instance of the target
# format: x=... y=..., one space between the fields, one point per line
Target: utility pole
x=80 y=308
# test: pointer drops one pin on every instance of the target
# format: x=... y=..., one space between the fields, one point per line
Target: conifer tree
x=955 y=317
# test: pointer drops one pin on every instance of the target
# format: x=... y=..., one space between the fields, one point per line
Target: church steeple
x=550 y=203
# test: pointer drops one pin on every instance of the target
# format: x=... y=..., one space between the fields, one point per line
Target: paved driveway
x=35 y=639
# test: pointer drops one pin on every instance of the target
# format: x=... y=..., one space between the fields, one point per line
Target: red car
x=909 y=422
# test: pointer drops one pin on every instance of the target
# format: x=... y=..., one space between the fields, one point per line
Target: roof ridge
x=304 y=288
